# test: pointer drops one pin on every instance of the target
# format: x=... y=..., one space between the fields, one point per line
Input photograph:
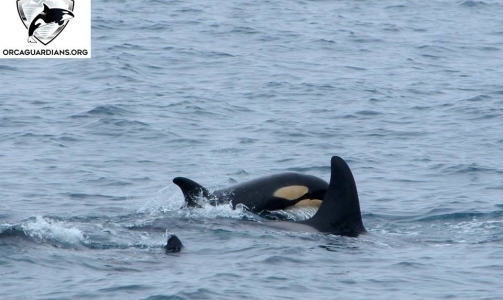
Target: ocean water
x=409 y=93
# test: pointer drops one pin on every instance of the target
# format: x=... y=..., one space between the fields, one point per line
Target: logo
x=45 y=28
x=45 y=23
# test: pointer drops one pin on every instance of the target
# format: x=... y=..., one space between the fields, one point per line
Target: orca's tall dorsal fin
x=191 y=190
x=339 y=212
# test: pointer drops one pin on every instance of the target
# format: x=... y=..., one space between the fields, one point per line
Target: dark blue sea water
x=409 y=93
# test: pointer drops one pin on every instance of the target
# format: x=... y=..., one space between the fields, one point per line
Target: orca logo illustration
x=45 y=19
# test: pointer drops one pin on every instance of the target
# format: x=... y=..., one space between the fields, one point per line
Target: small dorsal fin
x=46 y=8
x=191 y=190
x=174 y=245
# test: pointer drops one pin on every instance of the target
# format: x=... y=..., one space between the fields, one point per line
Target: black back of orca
x=339 y=212
x=273 y=192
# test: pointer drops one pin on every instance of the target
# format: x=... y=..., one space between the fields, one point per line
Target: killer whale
x=339 y=212
x=268 y=193
x=46 y=17
x=173 y=245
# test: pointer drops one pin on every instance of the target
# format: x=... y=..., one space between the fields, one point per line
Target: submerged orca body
x=262 y=194
x=339 y=212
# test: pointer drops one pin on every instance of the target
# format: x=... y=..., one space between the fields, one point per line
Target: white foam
x=476 y=226
x=299 y=213
x=166 y=199
x=171 y=200
x=212 y=212
x=54 y=231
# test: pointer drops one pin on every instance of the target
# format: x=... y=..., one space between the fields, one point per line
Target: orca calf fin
x=174 y=245
x=339 y=212
x=192 y=191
